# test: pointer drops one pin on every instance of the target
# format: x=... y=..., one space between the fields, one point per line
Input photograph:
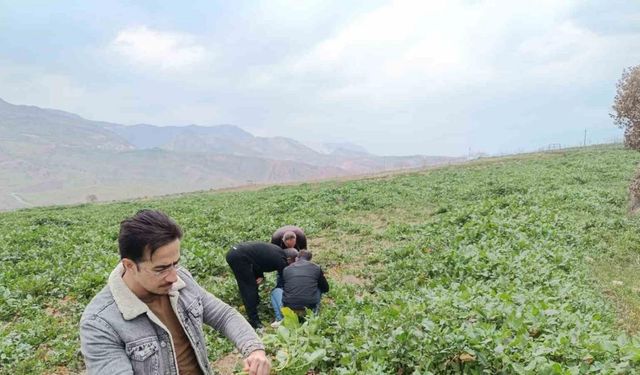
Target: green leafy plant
x=493 y=267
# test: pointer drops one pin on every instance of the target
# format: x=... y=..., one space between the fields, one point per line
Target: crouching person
x=304 y=283
x=289 y=236
x=148 y=319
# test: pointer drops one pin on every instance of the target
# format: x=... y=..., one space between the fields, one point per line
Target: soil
x=227 y=364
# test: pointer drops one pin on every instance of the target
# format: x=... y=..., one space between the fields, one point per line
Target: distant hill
x=221 y=139
x=345 y=148
x=144 y=136
x=55 y=157
x=232 y=140
x=29 y=125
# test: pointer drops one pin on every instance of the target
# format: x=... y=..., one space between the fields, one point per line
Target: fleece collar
x=128 y=303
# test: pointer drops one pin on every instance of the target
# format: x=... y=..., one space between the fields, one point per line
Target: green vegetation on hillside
x=504 y=266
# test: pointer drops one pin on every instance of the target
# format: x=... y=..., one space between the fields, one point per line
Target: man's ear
x=129 y=265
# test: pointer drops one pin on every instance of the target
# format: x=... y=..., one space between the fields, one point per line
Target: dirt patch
x=381 y=220
x=60 y=370
x=614 y=276
x=227 y=364
x=53 y=312
x=56 y=310
x=344 y=260
x=318 y=244
x=376 y=220
x=345 y=274
x=351 y=279
x=348 y=244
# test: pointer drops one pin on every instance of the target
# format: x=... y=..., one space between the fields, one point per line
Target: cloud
x=165 y=50
x=420 y=67
x=568 y=54
x=505 y=71
x=417 y=48
x=26 y=84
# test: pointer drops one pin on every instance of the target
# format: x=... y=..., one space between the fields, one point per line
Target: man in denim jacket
x=148 y=319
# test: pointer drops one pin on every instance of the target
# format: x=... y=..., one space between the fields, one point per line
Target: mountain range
x=51 y=157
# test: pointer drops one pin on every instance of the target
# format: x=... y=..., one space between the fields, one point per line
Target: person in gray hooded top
x=148 y=319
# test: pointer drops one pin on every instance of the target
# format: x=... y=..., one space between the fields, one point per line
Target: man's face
x=157 y=274
x=291 y=242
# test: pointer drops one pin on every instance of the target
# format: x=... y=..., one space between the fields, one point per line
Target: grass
x=617 y=275
x=516 y=265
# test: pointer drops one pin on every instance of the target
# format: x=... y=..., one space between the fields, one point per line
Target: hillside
x=23 y=126
x=517 y=265
x=50 y=157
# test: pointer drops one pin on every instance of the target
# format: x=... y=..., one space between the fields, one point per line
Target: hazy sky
x=397 y=77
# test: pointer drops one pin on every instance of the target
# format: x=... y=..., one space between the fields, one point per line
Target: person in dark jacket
x=304 y=282
x=249 y=261
x=278 y=237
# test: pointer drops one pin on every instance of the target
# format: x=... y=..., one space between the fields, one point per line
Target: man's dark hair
x=147 y=228
x=305 y=254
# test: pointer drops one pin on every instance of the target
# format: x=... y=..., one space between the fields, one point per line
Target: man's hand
x=257 y=363
x=259 y=280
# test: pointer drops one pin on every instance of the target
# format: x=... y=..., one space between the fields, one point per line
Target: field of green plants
x=495 y=267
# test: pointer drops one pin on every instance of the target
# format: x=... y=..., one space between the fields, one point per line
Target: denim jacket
x=119 y=334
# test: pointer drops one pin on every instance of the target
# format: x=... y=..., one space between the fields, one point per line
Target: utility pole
x=584 y=143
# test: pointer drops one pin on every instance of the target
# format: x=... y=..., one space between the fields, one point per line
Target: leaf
x=290 y=318
x=284 y=332
x=315 y=356
x=283 y=359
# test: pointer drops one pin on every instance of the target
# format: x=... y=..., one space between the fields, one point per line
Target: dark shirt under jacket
x=303 y=283
x=301 y=239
